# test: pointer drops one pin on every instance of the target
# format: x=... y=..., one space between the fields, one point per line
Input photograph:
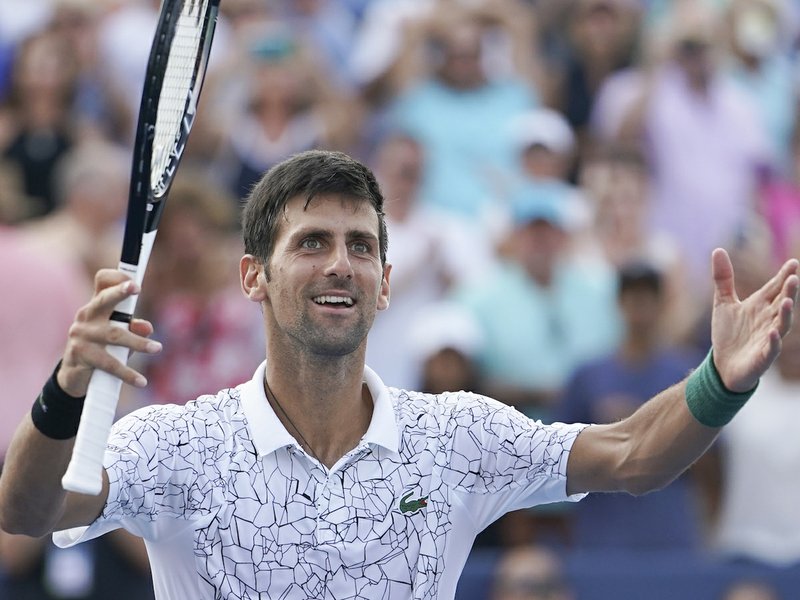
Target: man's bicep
x=595 y=461
x=83 y=509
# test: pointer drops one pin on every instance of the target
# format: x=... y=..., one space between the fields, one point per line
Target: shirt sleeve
x=520 y=463
x=152 y=475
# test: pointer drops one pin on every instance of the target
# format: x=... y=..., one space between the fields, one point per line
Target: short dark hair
x=308 y=174
x=640 y=275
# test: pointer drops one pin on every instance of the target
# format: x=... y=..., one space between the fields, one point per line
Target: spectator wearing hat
x=611 y=387
x=542 y=311
x=447 y=339
x=546 y=149
x=525 y=360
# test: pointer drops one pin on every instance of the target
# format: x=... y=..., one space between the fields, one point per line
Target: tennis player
x=315 y=480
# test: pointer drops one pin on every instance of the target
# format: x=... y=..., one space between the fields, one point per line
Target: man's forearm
x=31 y=496
x=664 y=440
x=642 y=453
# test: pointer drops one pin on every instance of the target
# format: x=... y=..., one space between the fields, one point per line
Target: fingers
x=88 y=349
x=786 y=303
x=105 y=278
x=141 y=327
x=92 y=333
x=109 y=292
x=777 y=284
x=722 y=272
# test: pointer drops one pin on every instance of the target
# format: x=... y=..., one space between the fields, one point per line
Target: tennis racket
x=174 y=77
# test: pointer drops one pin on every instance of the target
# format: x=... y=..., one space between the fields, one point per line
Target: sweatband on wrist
x=710 y=402
x=55 y=413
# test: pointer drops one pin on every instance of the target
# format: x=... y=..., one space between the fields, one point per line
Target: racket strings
x=177 y=89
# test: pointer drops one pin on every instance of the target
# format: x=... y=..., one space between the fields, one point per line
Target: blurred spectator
x=244 y=15
x=545 y=144
x=43 y=290
x=780 y=204
x=15 y=206
x=602 y=38
x=42 y=293
x=193 y=299
x=379 y=43
x=447 y=340
x=530 y=573
x=751 y=590
x=287 y=104
x=759 y=52
x=100 y=109
x=113 y=566
x=615 y=180
x=758 y=452
x=609 y=389
x=125 y=35
x=92 y=197
x=461 y=105
x=39 y=118
x=327 y=28
x=704 y=138
x=430 y=252
x=541 y=311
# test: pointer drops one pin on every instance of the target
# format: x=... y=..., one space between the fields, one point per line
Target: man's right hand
x=92 y=331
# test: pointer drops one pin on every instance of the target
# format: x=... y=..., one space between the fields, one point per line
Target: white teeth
x=333 y=300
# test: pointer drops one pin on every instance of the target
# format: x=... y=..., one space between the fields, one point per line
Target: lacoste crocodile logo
x=412 y=506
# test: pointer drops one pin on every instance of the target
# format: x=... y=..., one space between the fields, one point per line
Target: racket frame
x=145 y=206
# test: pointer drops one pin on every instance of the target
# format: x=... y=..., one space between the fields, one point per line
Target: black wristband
x=55 y=413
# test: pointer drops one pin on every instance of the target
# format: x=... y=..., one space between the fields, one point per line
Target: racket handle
x=85 y=471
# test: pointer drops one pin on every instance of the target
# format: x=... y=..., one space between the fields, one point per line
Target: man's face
x=326 y=279
x=642 y=308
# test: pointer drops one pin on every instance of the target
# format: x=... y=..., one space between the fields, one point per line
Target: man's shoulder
x=412 y=406
x=206 y=409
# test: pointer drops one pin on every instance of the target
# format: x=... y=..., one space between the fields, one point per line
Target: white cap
x=444 y=325
x=545 y=127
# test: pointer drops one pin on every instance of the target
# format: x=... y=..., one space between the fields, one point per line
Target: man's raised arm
x=666 y=435
x=32 y=501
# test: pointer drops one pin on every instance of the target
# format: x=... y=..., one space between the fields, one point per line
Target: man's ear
x=252 y=278
x=383 y=295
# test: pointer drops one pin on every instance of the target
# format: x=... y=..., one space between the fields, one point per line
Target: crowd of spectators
x=556 y=174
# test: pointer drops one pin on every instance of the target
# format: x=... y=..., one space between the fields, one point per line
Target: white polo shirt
x=231 y=507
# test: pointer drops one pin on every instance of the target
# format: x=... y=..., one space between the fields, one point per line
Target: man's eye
x=310 y=244
x=361 y=247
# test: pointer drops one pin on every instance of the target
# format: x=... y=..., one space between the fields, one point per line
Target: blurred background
x=556 y=175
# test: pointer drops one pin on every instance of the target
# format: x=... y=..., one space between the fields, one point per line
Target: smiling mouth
x=334 y=301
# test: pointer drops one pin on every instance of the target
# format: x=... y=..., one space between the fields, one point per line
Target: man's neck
x=326 y=406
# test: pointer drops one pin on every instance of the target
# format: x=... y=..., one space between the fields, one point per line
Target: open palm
x=746 y=334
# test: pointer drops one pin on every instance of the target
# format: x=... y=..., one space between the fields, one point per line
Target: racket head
x=175 y=73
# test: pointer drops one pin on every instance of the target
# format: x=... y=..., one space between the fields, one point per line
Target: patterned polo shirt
x=231 y=507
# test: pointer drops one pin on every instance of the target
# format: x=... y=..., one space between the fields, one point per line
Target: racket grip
x=85 y=471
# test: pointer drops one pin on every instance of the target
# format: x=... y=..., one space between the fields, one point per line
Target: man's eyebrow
x=327 y=233
x=362 y=234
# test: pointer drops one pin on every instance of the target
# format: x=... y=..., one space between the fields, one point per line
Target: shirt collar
x=269 y=434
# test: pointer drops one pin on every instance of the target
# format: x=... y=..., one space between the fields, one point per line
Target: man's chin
x=335 y=347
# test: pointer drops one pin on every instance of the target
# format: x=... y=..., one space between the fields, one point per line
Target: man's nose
x=339 y=262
